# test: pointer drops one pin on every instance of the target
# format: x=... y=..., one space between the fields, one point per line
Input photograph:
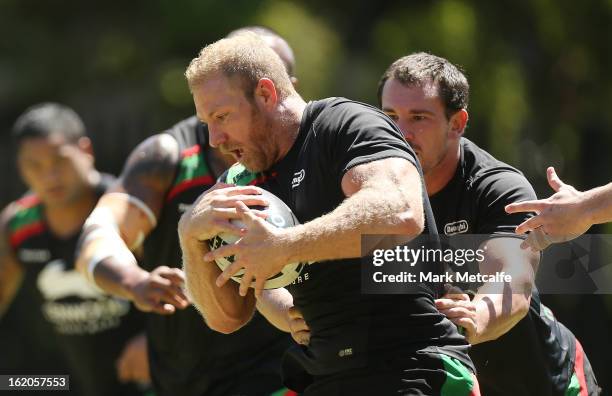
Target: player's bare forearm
x=115 y=274
x=222 y=307
x=383 y=197
x=599 y=204
x=499 y=307
x=126 y=214
x=274 y=305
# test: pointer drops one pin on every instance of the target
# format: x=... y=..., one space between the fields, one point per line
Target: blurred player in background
x=161 y=179
x=519 y=347
x=565 y=215
x=98 y=335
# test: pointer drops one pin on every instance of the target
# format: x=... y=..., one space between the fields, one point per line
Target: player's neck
x=291 y=112
x=67 y=220
x=440 y=175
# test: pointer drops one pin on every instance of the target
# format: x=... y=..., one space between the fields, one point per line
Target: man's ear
x=458 y=123
x=84 y=143
x=266 y=93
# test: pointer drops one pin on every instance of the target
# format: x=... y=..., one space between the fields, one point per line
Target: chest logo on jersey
x=55 y=282
x=457 y=227
x=297 y=178
x=34 y=255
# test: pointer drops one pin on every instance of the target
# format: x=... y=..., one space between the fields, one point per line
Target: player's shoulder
x=485 y=174
x=481 y=166
x=343 y=109
x=337 y=116
x=21 y=213
x=187 y=130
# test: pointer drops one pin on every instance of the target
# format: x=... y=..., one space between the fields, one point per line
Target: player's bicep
x=382 y=175
x=149 y=171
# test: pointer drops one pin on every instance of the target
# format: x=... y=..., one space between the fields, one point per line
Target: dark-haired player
x=344 y=170
x=519 y=347
x=161 y=179
x=38 y=238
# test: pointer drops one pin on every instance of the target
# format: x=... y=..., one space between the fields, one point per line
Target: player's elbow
x=226 y=325
x=411 y=222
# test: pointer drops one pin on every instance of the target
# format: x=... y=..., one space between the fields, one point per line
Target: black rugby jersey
x=186 y=357
x=91 y=327
x=536 y=357
x=348 y=329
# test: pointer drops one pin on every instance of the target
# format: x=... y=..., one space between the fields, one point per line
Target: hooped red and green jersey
x=186 y=357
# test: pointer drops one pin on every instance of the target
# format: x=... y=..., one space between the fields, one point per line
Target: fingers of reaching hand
x=537 y=240
x=553 y=180
x=530 y=224
x=165 y=289
x=536 y=206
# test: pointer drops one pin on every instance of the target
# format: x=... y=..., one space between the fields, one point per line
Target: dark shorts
x=422 y=374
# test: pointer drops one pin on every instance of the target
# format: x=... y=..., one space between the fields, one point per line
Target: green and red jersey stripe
x=27 y=220
x=459 y=380
x=193 y=172
x=579 y=369
x=284 y=392
x=241 y=176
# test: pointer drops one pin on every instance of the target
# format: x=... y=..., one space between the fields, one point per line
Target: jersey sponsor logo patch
x=34 y=255
x=345 y=352
x=297 y=178
x=457 y=227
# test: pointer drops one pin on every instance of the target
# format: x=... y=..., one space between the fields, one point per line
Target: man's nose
x=216 y=137
x=408 y=134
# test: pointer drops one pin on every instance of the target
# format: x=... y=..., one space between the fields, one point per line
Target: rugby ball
x=279 y=215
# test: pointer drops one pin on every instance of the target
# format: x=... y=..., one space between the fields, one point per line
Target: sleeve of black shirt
x=353 y=134
x=496 y=190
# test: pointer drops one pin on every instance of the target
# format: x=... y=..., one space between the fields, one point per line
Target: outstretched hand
x=559 y=218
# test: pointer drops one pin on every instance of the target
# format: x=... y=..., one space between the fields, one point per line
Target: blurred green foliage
x=538 y=69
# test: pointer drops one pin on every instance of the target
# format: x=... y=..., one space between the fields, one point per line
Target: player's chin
x=253 y=164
